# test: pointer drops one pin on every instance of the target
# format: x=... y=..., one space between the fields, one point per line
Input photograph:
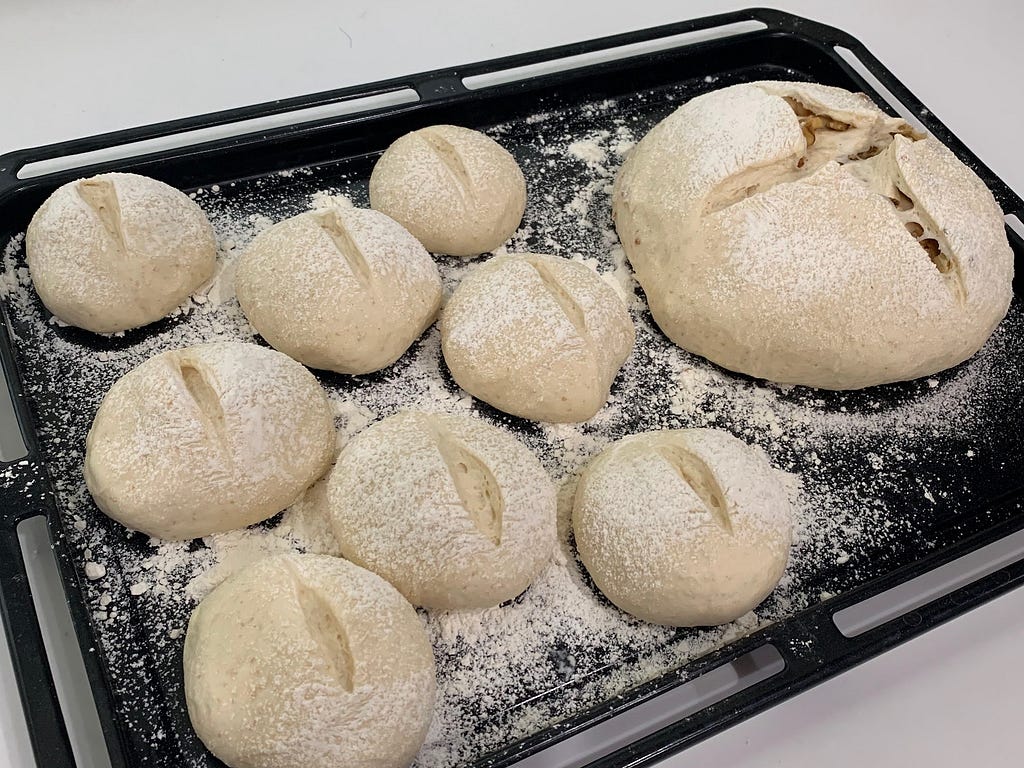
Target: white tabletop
x=71 y=69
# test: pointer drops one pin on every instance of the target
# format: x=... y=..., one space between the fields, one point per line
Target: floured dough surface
x=308 y=661
x=452 y=511
x=685 y=527
x=343 y=289
x=536 y=336
x=206 y=439
x=457 y=190
x=118 y=251
x=772 y=225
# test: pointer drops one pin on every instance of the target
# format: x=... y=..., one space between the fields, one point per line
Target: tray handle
x=47 y=730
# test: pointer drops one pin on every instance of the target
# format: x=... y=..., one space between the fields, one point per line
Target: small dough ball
x=343 y=289
x=456 y=189
x=207 y=439
x=454 y=512
x=117 y=251
x=536 y=336
x=307 y=661
x=686 y=527
x=795 y=232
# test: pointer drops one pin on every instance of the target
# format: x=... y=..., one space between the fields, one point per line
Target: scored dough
x=797 y=233
x=307 y=661
x=454 y=512
x=206 y=439
x=687 y=527
x=457 y=190
x=536 y=336
x=343 y=289
x=117 y=251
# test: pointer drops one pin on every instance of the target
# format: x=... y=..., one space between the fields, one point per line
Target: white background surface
x=69 y=69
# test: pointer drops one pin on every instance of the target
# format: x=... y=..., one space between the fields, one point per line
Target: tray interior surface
x=881 y=477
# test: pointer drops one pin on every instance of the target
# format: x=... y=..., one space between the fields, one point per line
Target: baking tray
x=978 y=501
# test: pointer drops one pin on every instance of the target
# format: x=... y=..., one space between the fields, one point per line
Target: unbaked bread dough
x=454 y=512
x=117 y=251
x=344 y=289
x=795 y=232
x=536 y=336
x=457 y=190
x=688 y=527
x=206 y=439
x=307 y=661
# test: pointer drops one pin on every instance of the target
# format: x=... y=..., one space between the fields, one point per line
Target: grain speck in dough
x=457 y=190
x=795 y=232
x=118 y=251
x=340 y=288
x=308 y=660
x=206 y=439
x=686 y=527
x=536 y=336
x=452 y=511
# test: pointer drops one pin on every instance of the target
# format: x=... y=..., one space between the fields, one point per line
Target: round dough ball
x=207 y=439
x=306 y=661
x=454 y=512
x=117 y=251
x=343 y=289
x=795 y=232
x=536 y=336
x=687 y=527
x=458 y=191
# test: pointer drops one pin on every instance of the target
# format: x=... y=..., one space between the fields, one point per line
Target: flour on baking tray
x=504 y=672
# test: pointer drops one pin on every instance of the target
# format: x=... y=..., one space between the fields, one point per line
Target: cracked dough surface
x=685 y=527
x=773 y=224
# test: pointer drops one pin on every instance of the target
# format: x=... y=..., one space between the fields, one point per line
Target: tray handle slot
x=63 y=157
x=905 y=598
x=47 y=729
x=707 y=689
x=613 y=52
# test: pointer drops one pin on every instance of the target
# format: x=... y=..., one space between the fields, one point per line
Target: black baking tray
x=786 y=47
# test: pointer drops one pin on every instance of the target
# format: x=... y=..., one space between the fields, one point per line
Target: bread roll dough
x=687 y=527
x=206 y=439
x=457 y=190
x=307 y=661
x=117 y=251
x=536 y=336
x=454 y=512
x=795 y=232
x=343 y=289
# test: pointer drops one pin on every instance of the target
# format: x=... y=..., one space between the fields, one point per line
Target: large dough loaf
x=795 y=232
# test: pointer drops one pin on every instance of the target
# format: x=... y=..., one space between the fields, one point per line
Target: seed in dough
x=452 y=511
x=207 y=439
x=342 y=289
x=118 y=251
x=457 y=190
x=688 y=527
x=536 y=336
x=308 y=660
x=797 y=233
